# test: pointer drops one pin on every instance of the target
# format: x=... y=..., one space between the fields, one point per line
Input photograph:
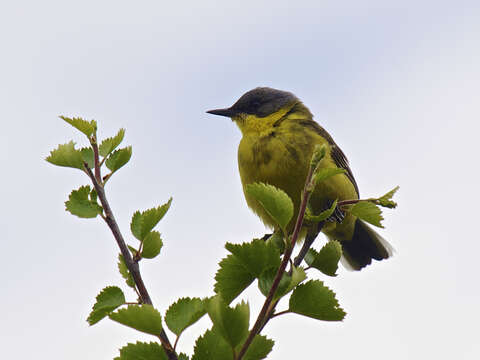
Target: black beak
x=228 y=112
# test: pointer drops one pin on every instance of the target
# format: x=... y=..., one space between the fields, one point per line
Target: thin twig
x=132 y=266
x=98 y=175
x=268 y=305
x=348 y=202
x=280 y=313
x=298 y=260
x=176 y=342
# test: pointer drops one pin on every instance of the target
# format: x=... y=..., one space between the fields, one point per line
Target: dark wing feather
x=337 y=154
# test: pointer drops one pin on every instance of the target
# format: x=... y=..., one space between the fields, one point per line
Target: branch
x=132 y=266
x=349 y=202
x=280 y=313
x=98 y=175
x=269 y=305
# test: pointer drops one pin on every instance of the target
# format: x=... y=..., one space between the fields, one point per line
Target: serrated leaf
x=183 y=313
x=110 y=144
x=143 y=222
x=231 y=278
x=87 y=156
x=118 y=158
x=151 y=217
x=287 y=282
x=277 y=239
x=152 y=245
x=122 y=268
x=327 y=259
x=144 y=318
x=132 y=250
x=324 y=215
x=231 y=323
x=80 y=205
x=93 y=195
x=136 y=225
x=212 y=346
x=325 y=173
x=386 y=201
x=275 y=202
x=368 y=212
x=142 y=351
x=256 y=256
x=66 y=155
x=259 y=348
x=86 y=127
x=317 y=301
x=108 y=300
x=319 y=152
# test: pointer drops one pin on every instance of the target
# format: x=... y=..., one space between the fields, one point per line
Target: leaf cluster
x=369 y=209
x=231 y=335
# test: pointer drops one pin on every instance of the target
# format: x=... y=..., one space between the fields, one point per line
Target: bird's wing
x=337 y=154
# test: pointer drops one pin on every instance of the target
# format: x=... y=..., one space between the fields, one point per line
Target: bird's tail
x=366 y=244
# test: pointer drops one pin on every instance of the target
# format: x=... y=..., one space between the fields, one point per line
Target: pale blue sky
x=395 y=83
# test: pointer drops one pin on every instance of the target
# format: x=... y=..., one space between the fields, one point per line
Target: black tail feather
x=365 y=245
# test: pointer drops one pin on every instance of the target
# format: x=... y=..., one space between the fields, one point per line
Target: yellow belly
x=281 y=158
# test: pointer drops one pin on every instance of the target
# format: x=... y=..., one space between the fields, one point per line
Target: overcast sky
x=395 y=83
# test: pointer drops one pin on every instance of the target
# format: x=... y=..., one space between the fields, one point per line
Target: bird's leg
x=266 y=237
x=307 y=243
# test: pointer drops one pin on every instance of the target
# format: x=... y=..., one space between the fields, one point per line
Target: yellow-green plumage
x=279 y=136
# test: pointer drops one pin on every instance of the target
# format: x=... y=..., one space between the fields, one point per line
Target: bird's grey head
x=261 y=102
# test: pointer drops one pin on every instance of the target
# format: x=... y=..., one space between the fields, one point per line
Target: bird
x=279 y=136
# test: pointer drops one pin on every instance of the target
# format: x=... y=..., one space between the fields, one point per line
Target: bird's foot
x=337 y=216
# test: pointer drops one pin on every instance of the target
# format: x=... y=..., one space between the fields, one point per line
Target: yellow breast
x=277 y=151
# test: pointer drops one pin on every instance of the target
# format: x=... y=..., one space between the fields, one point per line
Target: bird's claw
x=337 y=216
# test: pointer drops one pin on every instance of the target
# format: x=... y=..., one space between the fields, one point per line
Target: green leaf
x=231 y=323
x=327 y=259
x=108 y=300
x=152 y=245
x=66 y=155
x=142 y=351
x=368 y=212
x=87 y=156
x=386 y=201
x=122 y=267
x=259 y=348
x=80 y=205
x=212 y=346
x=183 y=313
x=287 y=282
x=317 y=301
x=319 y=152
x=324 y=173
x=110 y=144
x=277 y=239
x=275 y=202
x=144 y=318
x=136 y=225
x=324 y=215
x=118 y=158
x=231 y=278
x=143 y=222
x=132 y=250
x=93 y=195
x=86 y=127
x=256 y=256
x=182 y=356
